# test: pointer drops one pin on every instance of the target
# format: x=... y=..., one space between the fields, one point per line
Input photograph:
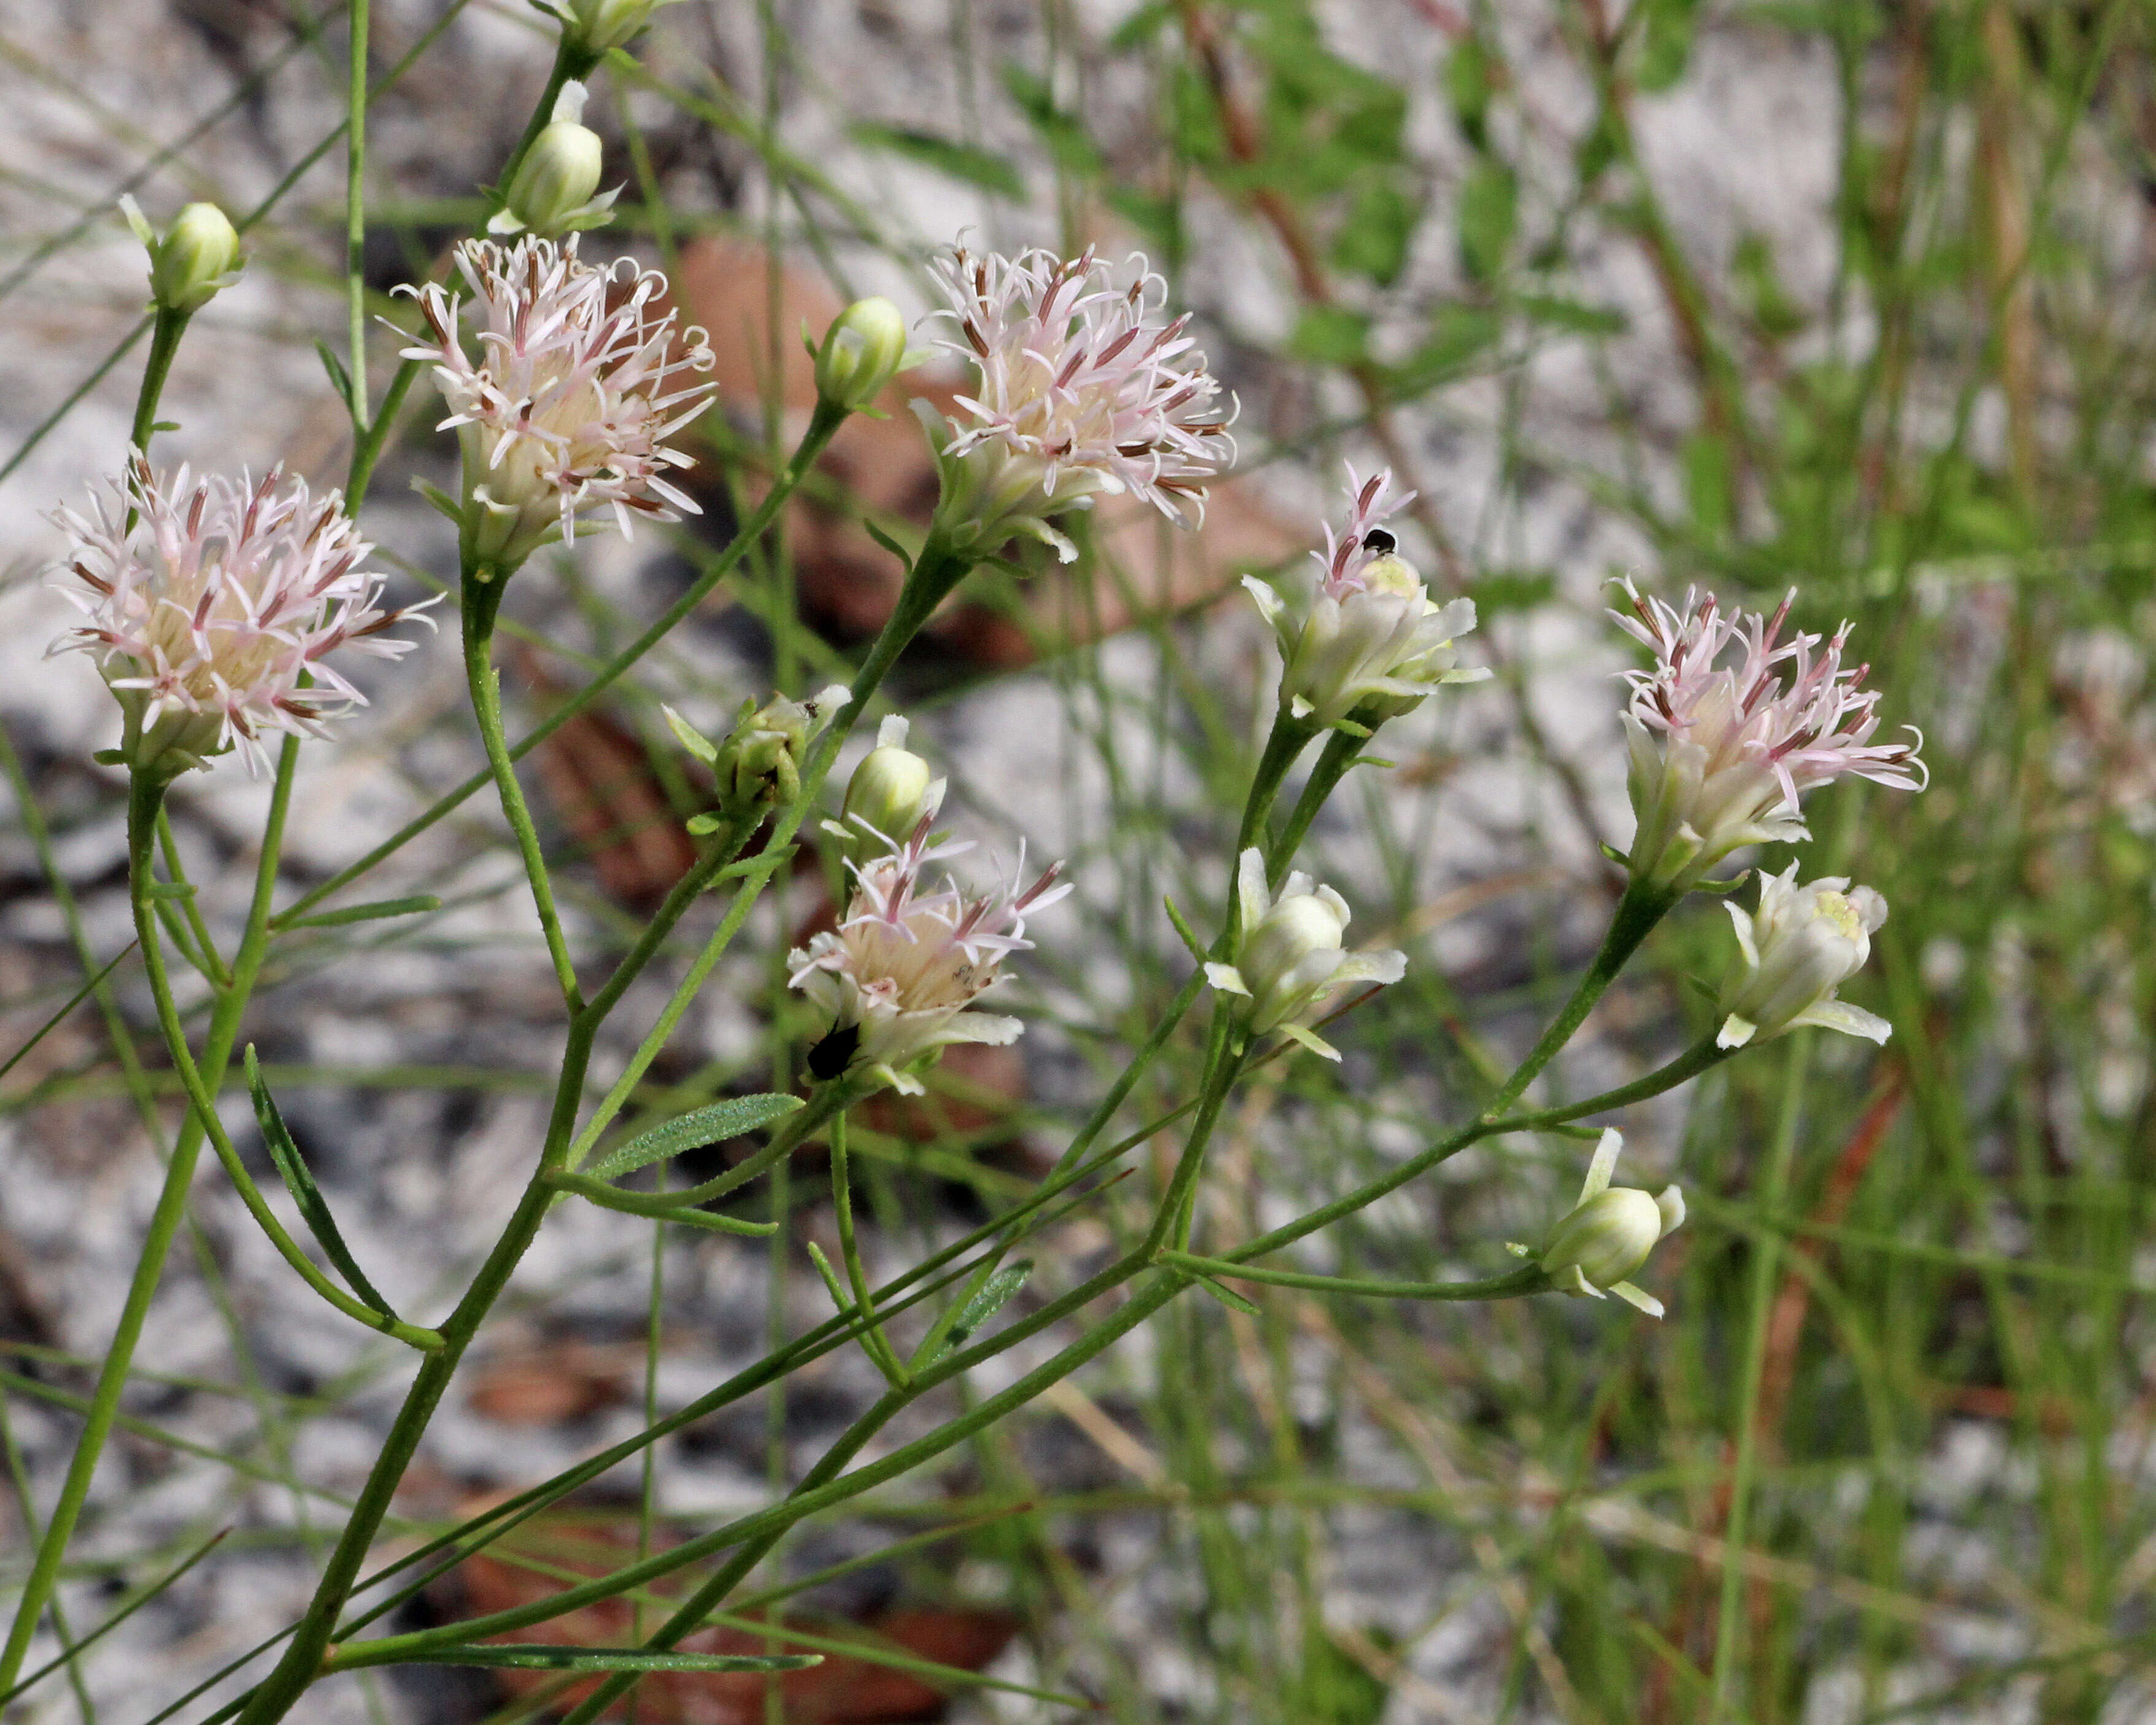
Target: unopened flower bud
x=759 y=764
x=193 y=260
x=1799 y=946
x=1608 y=1235
x=1291 y=958
x=592 y=27
x=555 y=189
x=890 y=793
x=862 y=352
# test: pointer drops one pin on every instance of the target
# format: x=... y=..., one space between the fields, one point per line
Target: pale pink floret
x=1722 y=754
x=579 y=380
x=904 y=968
x=1348 y=553
x=1362 y=637
x=1080 y=391
x=206 y=611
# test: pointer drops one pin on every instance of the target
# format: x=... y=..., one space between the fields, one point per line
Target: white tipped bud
x=890 y=793
x=1608 y=1234
x=1606 y=1239
x=1291 y=959
x=1798 y=948
x=555 y=189
x=862 y=352
x=195 y=258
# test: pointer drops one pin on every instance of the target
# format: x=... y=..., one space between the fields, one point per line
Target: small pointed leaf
x=692 y=1131
x=313 y=1209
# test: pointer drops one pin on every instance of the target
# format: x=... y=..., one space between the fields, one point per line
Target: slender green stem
x=821 y=427
x=211 y=967
x=727 y=845
x=146 y=795
x=842 y=1201
x=481 y=590
x=164 y=1223
x=164 y=342
x=1637 y=912
x=355 y=212
x=1287 y=740
x=368 y=442
x=1527 y=1279
x=1341 y=752
x=1766 y=1262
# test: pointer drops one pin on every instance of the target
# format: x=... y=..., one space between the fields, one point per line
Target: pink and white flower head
x=1362 y=641
x=208 y=603
x=1799 y=946
x=1082 y=391
x=579 y=380
x=1722 y=753
x=899 y=975
x=1290 y=959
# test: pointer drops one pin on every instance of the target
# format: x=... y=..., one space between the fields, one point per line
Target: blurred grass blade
x=313 y=1209
x=74 y=1001
x=143 y=1597
x=532 y=1657
x=371 y=912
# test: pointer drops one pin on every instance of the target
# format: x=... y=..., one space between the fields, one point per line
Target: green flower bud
x=863 y=351
x=193 y=260
x=759 y=764
x=553 y=191
x=891 y=792
x=1608 y=1235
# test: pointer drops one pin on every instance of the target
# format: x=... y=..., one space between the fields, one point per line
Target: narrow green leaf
x=531 y=1657
x=1227 y=1297
x=995 y=1293
x=171 y=889
x=340 y=379
x=692 y=1131
x=313 y=1209
x=370 y=912
x=887 y=543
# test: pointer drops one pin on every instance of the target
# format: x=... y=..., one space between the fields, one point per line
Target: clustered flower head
x=1722 y=753
x=1080 y=392
x=1363 y=641
x=900 y=974
x=1607 y=1235
x=208 y=610
x=1799 y=946
x=1290 y=960
x=579 y=380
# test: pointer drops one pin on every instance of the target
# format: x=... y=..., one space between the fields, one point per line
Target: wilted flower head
x=575 y=390
x=1290 y=959
x=1608 y=1235
x=1363 y=641
x=205 y=613
x=1722 y=754
x=901 y=973
x=1799 y=946
x=1080 y=392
